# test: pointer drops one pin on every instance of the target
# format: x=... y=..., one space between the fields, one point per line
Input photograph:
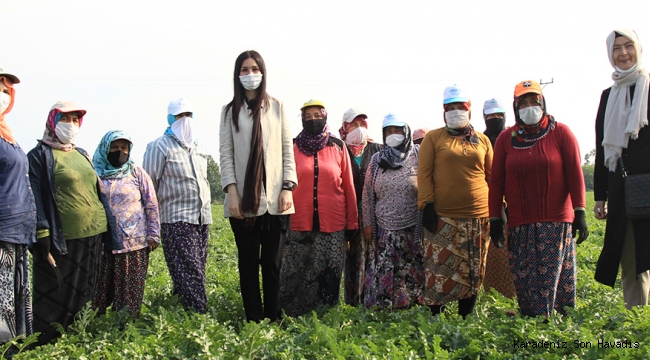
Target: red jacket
x=541 y=184
x=333 y=197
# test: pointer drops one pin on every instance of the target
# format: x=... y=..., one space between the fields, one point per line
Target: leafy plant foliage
x=166 y=331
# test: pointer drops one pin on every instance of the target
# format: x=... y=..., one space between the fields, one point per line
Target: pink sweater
x=334 y=193
x=541 y=184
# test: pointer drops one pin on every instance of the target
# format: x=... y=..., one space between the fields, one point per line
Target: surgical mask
x=251 y=81
x=5 y=100
x=357 y=136
x=457 y=119
x=315 y=126
x=531 y=115
x=66 y=132
x=117 y=158
x=184 y=130
x=394 y=140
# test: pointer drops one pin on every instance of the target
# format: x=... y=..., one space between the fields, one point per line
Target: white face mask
x=457 y=119
x=531 y=115
x=357 y=136
x=66 y=132
x=251 y=81
x=394 y=140
x=184 y=130
x=5 y=100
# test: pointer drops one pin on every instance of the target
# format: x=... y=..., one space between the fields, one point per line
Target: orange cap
x=527 y=86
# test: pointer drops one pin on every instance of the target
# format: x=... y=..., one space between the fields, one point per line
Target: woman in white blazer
x=258 y=173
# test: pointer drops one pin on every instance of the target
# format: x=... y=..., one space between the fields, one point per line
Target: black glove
x=430 y=218
x=350 y=234
x=579 y=224
x=44 y=245
x=496 y=232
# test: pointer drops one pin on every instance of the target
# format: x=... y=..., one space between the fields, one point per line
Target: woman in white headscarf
x=622 y=134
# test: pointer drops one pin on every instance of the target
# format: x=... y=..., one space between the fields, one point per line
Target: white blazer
x=235 y=148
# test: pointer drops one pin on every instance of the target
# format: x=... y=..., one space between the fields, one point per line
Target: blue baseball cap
x=392 y=120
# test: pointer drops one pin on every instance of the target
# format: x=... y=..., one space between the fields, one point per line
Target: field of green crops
x=166 y=331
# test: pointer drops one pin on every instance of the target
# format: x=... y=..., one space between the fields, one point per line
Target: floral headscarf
x=356 y=150
x=49 y=135
x=100 y=159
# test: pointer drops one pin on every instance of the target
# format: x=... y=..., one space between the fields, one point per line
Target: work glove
x=430 y=218
x=496 y=232
x=579 y=224
x=350 y=234
x=44 y=245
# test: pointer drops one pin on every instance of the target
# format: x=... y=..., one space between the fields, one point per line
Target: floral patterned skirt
x=497 y=270
x=312 y=266
x=454 y=259
x=395 y=272
x=15 y=296
x=543 y=261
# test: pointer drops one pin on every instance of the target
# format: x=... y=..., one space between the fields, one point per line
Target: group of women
x=408 y=220
x=90 y=223
x=410 y=223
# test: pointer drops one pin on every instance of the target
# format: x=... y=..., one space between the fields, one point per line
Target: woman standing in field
x=392 y=221
x=622 y=134
x=497 y=265
x=132 y=199
x=453 y=174
x=326 y=208
x=258 y=174
x=74 y=219
x=354 y=131
x=178 y=167
x=537 y=167
x=17 y=224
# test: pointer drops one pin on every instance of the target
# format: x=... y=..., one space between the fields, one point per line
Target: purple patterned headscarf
x=309 y=144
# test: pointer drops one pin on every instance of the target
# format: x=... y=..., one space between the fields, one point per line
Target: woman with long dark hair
x=258 y=174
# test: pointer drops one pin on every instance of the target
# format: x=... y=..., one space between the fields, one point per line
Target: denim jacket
x=41 y=176
x=17 y=208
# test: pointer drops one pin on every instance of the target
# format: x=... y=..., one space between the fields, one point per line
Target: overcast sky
x=124 y=61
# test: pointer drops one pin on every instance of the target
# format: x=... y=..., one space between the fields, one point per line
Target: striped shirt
x=180 y=177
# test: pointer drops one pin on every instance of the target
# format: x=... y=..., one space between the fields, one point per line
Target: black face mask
x=117 y=158
x=495 y=125
x=315 y=126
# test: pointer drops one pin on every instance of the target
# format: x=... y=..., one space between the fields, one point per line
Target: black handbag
x=637 y=194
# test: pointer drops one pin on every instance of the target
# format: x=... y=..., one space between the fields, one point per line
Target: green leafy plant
x=165 y=330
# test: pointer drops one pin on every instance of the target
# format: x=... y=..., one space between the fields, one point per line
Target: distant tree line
x=588 y=169
x=214 y=178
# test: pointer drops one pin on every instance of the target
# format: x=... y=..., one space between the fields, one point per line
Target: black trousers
x=250 y=239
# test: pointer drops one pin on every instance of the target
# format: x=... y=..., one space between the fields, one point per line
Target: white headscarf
x=624 y=117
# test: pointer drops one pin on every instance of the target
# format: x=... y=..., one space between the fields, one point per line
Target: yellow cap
x=313 y=102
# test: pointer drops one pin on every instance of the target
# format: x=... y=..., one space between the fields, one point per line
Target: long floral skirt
x=121 y=281
x=185 y=247
x=15 y=297
x=543 y=261
x=497 y=270
x=454 y=259
x=395 y=271
x=312 y=266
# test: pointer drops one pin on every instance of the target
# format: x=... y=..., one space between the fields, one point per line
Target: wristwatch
x=288 y=185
